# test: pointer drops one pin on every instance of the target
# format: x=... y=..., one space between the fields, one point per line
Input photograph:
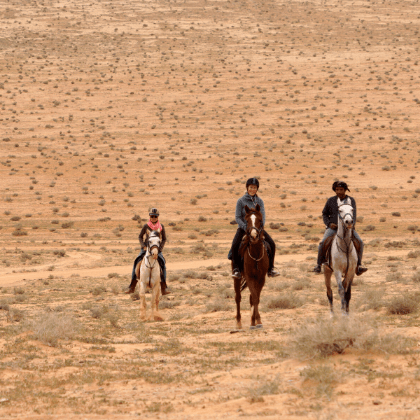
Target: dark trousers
x=234 y=250
x=139 y=258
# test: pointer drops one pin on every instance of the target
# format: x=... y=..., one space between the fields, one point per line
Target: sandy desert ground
x=110 y=107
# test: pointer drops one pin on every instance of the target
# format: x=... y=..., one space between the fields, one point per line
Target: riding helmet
x=252 y=181
x=154 y=212
x=340 y=184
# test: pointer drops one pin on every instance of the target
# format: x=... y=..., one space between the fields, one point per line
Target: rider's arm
x=163 y=234
x=262 y=210
x=238 y=215
x=326 y=215
x=141 y=236
x=353 y=204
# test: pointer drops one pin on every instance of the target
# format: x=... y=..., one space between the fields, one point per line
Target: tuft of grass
x=290 y=301
x=217 y=305
x=402 y=304
x=268 y=387
x=52 y=327
x=325 y=376
x=324 y=337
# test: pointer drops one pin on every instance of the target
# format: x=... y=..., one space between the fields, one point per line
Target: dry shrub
x=268 y=387
x=53 y=326
x=325 y=337
x=416 y=277
x=218 y=305
x=15 y=315
x=325 y=376
x=371 y=299
x=403 y=304
x=290 y=301
x=413 y=254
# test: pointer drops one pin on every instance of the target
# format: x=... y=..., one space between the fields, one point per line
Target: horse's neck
x=343 y=234
x=256 y=248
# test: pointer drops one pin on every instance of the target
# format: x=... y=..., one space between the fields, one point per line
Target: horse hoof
x=252 y=327
x=239 y=326
x=259 y=326
x=344 y=314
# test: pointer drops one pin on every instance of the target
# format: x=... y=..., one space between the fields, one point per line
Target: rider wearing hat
x=152 y=225
x=251 y=200
x=330 y=217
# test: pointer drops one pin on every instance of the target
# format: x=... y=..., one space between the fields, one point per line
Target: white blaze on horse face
x=254 y=229
x=346 y=213
x=154 y=243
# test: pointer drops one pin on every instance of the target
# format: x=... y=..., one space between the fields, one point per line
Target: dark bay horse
x=255 y=266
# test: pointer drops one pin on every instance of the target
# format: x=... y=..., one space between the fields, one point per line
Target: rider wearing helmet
x=152 y=225
x=330 y=217
x=250 y=199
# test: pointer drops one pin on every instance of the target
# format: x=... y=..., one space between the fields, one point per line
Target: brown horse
x=255 y=267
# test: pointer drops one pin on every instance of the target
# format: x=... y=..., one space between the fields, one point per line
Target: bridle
x=258 y=239
x=149 y=248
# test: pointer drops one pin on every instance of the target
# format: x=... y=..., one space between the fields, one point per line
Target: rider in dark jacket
x=330 y=218
x=250 y=199
x=152 y=225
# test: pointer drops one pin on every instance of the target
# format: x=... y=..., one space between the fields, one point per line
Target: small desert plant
x=53 y=326
x=402 y=305
x=289 y=301
x=218 y=305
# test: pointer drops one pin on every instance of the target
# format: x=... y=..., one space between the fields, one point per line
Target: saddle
x=326 y=248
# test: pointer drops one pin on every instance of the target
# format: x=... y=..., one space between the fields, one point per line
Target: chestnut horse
x=255 y=267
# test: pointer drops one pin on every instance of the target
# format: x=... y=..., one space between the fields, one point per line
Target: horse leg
x=238 y=298
x=348 y=296
x=341 y=291
x=253 y=302
x=142 y=301
x=327 y=277
x=156 y=295
x=257 y=312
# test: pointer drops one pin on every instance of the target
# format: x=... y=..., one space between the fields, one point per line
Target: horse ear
x=257 y=207
x=246 y=209
x=339 y=202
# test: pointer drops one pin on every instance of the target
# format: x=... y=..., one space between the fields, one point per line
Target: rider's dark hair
x=252 y=181
x=340 y=184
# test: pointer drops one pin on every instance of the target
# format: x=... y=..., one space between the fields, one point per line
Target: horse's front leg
x=348 y=293
x=155 y=299
x=339 y=278
x=327 y=277
x=253 y=302
x=238 y=298
x=142 y=300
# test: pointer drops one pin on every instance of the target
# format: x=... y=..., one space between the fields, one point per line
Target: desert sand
x=109 y=108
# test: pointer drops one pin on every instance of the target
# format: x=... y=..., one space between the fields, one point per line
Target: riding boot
x=130 y=289
x=164 y=289
x=271 y=271
x=236 y=273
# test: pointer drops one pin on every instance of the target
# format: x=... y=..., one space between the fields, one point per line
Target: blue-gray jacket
x=251 y=202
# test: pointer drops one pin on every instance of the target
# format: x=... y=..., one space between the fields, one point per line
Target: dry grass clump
x=218 y=305
x=324 y=376
x=403 y=304
x=371 y=299
x=268 y=387
x=325 y=337
x=53 y=326
x=290 y=301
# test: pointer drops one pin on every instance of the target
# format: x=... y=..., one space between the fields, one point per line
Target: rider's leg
x=162 y=264
x=359 y=270
x=133 y=283
x=271 y=255
x=234 y=251
x=321 y=257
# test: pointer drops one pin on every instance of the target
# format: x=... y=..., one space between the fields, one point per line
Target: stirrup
x=236 y=274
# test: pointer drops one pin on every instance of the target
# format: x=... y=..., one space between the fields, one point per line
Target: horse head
x=153 y=244
x=253 y=219
x=345 y=212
